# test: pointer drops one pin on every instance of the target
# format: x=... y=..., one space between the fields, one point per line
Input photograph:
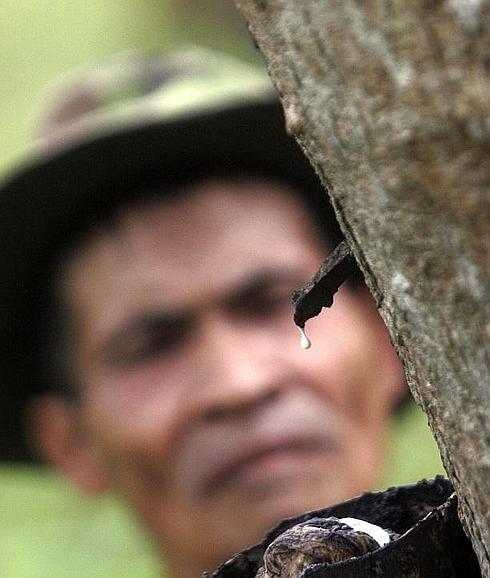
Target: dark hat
x=108 y=133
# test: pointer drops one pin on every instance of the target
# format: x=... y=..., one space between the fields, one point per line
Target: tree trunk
x=391 y=103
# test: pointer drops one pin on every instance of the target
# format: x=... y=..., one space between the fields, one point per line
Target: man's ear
x=54 y=430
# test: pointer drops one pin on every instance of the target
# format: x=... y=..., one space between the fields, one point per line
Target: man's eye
x=269 y=303
x=146 y=348
x=149 y=346
x=138 y=350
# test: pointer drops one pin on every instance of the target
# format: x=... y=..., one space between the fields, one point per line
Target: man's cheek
x=139 y=423
x=329 y=370
x=137 y=471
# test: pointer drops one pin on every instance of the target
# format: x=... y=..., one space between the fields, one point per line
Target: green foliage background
x=47 y=530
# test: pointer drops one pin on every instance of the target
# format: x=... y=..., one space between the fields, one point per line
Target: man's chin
x=241 y=519
x=291 y=503
x=260 y=511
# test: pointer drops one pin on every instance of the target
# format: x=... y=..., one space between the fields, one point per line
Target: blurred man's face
x=197 y=402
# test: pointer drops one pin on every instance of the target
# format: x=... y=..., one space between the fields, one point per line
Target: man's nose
x=245 y=366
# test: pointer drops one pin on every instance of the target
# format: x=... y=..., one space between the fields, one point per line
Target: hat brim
x=50 y=199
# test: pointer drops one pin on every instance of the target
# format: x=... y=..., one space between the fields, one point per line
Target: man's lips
x=263 y=459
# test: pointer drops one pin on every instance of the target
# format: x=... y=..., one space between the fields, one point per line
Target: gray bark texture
x=390 y=100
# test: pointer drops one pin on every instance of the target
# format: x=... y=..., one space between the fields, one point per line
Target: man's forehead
x=216 y=202
x=203 y=211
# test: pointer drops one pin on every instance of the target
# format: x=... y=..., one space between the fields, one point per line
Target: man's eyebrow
x=257 y=281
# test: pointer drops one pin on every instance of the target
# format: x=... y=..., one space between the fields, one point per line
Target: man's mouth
x=268 y=463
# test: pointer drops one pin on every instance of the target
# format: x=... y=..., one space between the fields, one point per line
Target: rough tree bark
x=390 y=100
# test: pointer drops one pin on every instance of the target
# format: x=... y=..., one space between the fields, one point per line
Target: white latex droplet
x=305 y=342
x=381 y=536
